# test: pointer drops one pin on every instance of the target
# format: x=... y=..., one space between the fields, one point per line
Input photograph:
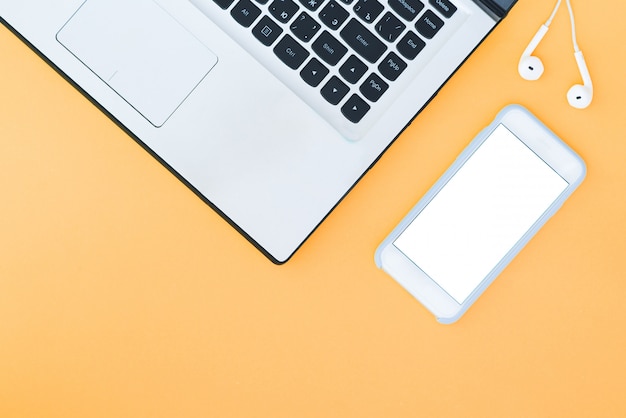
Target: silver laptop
x=269 y=110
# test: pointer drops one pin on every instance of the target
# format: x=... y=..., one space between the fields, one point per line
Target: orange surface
x=123 y=295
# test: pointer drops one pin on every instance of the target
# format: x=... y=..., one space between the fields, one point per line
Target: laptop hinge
x=497 y=9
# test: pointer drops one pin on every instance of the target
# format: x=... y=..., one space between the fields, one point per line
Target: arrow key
x=353 y=69
x=334 y=90
x=314 y=72
x=355 y=109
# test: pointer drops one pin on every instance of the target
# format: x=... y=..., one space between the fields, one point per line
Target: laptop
x=269 y=110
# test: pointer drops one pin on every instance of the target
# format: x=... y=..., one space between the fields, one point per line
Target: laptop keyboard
x=352 y=52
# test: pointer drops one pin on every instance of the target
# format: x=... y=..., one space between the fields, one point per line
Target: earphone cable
x=556 y=9
x=571 y=17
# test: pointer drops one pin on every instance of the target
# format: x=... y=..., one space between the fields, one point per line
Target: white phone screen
x=480 y=214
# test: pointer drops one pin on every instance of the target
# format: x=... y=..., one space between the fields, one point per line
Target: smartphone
x=498 y=193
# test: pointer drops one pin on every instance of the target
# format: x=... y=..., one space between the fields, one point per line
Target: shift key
x=364 y=42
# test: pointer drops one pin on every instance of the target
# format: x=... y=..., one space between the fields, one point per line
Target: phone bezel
x=543 y=142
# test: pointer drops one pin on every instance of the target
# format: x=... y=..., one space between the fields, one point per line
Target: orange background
x=123 y=295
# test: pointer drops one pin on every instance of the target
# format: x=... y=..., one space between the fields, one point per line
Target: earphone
x=530 y=67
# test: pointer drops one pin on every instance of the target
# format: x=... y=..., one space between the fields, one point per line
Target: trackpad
x=140 y=51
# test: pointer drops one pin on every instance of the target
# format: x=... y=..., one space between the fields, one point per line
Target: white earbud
x=530 y=67
x=580 y=95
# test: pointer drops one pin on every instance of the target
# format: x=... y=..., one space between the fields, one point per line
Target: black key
x=314 y=72
x=328 y=48
x=407 y=9
x=290 y=52
x=392 y=66
x=283 y=10
x=444 y=7
x=262 y=1
x=355 y=108
x=368 y=10
x=373 y=87
x=304 y=27
x=364 y=42
x=347 y=1
x=333 y=15
x=245 y=13
x=334 y=90
x=267 y=31
x=312 y=5
x=410 y=45
x=224 y=4
x=389 y=27
x=353 y=69
x=428 y=24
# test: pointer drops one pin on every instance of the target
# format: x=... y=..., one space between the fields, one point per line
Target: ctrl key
x=290 y=52
x=355 y=109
